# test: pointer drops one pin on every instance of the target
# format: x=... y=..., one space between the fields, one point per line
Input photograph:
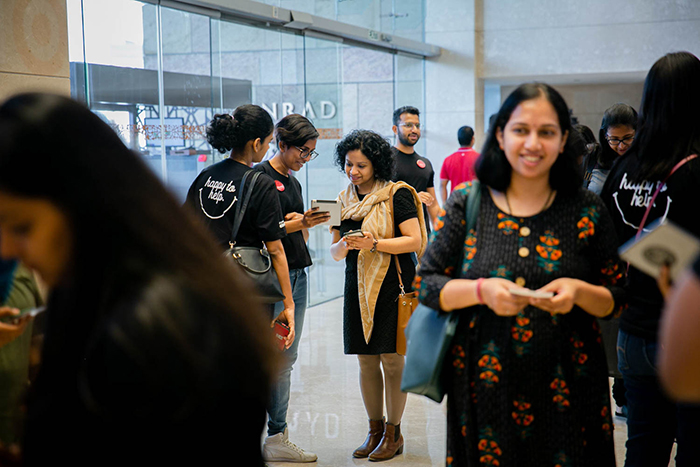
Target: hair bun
x=220 y=132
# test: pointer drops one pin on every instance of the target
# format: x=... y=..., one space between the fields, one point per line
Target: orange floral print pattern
x=549 y=252
x=469 y=250
x=507 y=224
x=522 y=416
x=489 y=451
x=561 y=390
x=490 y=365
x=578 y=356
x=586 y=225
x=561 y=460
x=522 y=333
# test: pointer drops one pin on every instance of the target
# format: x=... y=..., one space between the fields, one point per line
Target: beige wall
x=33 y=47
x=589 y=101
x=596 y=52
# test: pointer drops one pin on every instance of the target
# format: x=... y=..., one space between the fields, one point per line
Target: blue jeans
x=279 y=397
x=653 y=420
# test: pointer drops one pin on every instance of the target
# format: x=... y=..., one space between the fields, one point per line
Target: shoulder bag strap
x=472 y=214
x=242 y=204
x=473 y=203
x=658 y=190
x=396 y=258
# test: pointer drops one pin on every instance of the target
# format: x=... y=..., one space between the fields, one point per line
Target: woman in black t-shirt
x=296 y=139
x=660 y=160
x=215 y=192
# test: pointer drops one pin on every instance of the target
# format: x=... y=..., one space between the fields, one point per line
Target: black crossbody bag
x=256 y=262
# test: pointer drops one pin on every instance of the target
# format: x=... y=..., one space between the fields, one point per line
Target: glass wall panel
x=158 y=75
x=106 y=50
x=409 y=90
x=323 y=179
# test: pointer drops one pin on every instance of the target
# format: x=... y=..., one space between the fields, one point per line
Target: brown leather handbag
x=407 y=305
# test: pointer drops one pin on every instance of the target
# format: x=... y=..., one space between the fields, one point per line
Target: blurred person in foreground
x=154 y=349
x=19 y=292
x=679 y=357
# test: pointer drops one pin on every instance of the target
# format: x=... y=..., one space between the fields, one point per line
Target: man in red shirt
x=459 y=166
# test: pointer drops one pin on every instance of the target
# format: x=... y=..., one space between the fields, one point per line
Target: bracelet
x=374 y=245
x=479 y=297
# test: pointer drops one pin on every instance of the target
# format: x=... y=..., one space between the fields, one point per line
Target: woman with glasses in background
x=296 y=140
x=616 y=135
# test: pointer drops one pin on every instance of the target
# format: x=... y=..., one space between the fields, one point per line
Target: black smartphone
x=354 y=233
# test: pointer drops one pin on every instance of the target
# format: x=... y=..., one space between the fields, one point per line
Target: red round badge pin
x=279 y=185
x=420 y=164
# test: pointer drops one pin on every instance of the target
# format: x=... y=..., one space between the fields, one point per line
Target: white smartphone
x=331 y=206
x=531 y=293
x=31 y=313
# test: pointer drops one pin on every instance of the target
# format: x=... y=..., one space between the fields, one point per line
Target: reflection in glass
x=158 y=75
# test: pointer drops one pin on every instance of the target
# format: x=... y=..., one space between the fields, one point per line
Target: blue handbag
x=429 y=333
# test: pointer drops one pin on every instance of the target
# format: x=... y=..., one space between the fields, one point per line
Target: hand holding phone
x=354 y=233
x=281 y=333
x=10 y=318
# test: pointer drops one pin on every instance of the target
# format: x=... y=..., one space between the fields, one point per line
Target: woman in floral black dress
x=528 y=377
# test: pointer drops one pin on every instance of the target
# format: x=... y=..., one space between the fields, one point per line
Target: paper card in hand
x=666 y=243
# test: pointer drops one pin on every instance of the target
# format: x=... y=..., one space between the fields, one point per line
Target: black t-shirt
x=696 y=267
x=413 y=169
x=214 y=195
x=627 y=203
x=417 y=171
x=289 y=192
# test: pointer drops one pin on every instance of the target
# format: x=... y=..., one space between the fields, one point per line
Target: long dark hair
x=492 y=166
x=669 y=127
x=617 y=114
x=127 y=228
x=249 y=122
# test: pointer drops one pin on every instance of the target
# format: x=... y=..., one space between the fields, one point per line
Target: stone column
x=33 y=47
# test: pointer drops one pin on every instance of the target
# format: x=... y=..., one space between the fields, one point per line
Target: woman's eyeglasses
x=616 y=142
x=308 y=154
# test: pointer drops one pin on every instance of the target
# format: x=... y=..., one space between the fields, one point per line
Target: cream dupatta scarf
x=375 y=211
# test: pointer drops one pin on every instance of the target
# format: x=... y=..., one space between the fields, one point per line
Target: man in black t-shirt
x=411 y=168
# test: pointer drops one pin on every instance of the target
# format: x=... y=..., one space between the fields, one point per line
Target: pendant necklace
x=510 y=210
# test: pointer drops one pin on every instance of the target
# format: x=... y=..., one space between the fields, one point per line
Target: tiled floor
x=326 y=415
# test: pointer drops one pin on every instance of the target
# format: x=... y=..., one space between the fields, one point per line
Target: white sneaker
x=278 y=448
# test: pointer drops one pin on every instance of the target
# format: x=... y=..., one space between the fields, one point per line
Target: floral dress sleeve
x=596 y=229
x=445 y=253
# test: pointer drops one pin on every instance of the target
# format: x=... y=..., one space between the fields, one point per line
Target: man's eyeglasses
x=616 y=142
x=410 y=125
x=308 y=154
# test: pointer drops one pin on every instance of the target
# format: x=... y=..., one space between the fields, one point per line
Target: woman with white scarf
x=391 y=220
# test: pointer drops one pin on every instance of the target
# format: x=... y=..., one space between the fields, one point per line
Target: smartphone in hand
x=281 y=333
x=30 y=313
x=354 y=233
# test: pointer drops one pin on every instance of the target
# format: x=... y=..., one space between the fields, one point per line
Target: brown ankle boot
x=391 y=444
x=376 y=429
